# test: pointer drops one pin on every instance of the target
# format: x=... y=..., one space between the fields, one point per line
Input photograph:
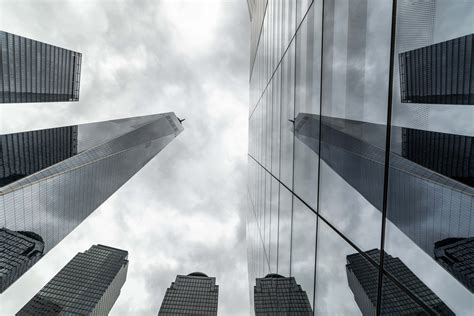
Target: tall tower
x=88 y=285
x=22 y=154
x=276 y=294
x=363 y=278
x=32 y=71
x=192 y=294
x=51 y=202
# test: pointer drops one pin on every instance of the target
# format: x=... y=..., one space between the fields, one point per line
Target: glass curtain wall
x=361 y=194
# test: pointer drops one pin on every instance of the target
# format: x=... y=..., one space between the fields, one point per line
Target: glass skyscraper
x=277 y=295
x=192 y=294
x=62 y=175
x=88 y=285
x=32 y=71
x=342 y=168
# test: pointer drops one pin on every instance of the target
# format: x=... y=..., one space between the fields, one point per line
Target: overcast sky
x=183 y=212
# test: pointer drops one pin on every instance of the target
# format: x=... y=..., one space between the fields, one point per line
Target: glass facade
x=88 y=285
x=274 y=293
x=81 y=165
x=32 y=71
x=365 y=199
x=192 y=294
x=439 y=73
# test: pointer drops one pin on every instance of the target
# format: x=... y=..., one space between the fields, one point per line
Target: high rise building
x=457 y=256
x=339 y=163
x=18 y=252
x=88 y=285
x=277 y=295
x=192 y=294
x=33 y=71
x=439 y=73
x=362 y=277
x=419 y=163
x=82 y=165
x=447 y=154
x=22 y=154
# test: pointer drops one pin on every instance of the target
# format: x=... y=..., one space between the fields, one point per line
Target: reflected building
x=447 y=154
x=363 y=279
x=88 y=285
x=438 y=74
x=192 y=294
x=277 y=295
x=420 y=169
x=18 y=252
x=82 y=166
x=33 y=71
x=457 y=256
x=334 y=85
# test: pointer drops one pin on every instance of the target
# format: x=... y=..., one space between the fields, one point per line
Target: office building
x=457 y=256
x=277 y=295
x=192 y=294
x=362 y=277
x=97 y=161
x=22 y=154
x=18 y=252
x=33 y=71
x=447 y=154
x=88 y=285
x=338 y=163
x=440 y=73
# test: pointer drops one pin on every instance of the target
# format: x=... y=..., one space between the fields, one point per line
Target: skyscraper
x=18 y=252
x=32 y=71
x=457 y=256
x=192 y=294
x=420 y=163
x=96 y=161
x=363 y=278
x=277 y=295
x=22 y=154
x=439 y=73
x=338 y=162
x=88 y=285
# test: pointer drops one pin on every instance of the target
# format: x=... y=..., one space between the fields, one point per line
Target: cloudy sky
x=183 y=212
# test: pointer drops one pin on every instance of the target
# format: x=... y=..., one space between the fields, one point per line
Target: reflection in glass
x=333 y=294
x=65 y=173
x=363 y=279
x=430 y=180
x=284 y=235
x=18 y=252
x=456 y=255
x=424 y=204
x=278 y=295
x=303 y=247
x=440 y=73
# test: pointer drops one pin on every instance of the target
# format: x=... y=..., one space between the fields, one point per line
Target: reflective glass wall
x=33 y=71
x=360 y=166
